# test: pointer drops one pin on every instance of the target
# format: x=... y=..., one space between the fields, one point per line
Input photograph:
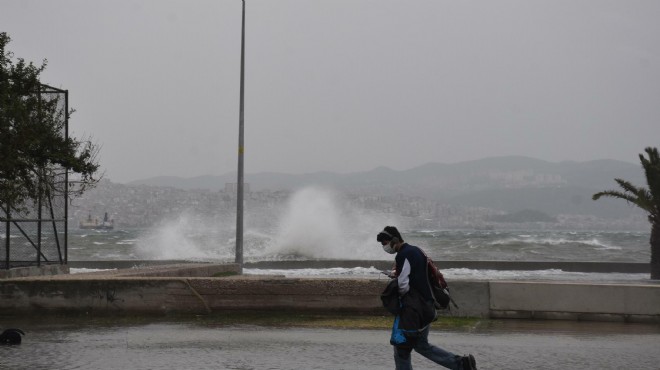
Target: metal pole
x=39 y=216
x=241 y=152
x=7 y=238
x=40 y=184
x=66 y=184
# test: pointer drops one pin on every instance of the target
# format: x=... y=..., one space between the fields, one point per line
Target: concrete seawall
x=191 y=289
x=575 y=301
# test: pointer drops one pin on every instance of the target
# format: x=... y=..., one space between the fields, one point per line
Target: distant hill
x=200 y=182
x=434 y=178
x=510 y=183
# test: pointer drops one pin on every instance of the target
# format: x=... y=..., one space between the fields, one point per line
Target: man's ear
x=395 y=240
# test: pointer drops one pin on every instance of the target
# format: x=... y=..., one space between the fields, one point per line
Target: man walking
x=417 y=311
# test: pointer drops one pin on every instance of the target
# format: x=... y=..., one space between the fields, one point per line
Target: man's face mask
x=388 y=248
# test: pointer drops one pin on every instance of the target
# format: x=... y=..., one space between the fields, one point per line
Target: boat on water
x=95 y=224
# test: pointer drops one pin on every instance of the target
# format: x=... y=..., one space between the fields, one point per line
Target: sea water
x=181 y=243
x=320 y=224
x=503 y=245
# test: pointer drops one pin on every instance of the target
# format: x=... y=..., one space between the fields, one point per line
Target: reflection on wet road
x=497 y=344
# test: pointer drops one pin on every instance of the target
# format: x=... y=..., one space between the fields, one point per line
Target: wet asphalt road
x=497 y=344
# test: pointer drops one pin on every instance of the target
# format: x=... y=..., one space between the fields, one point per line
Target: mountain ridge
x=507 y=171
x=463 y=192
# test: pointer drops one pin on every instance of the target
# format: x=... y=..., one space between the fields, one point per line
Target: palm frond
x=652 y=171
x=640 y=201
x=615 y=194
x=646 y=201
x=654 y=156
x=628 y=186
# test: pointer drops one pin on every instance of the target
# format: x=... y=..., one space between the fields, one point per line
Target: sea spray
x=318 y=223
x=442 y=245
x=185 y=237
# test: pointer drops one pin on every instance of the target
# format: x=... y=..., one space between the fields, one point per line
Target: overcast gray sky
x=346 y=86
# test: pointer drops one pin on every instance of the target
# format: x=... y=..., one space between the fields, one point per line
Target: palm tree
x=646 y=199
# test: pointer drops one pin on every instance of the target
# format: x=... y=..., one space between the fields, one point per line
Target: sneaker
x=469 y=363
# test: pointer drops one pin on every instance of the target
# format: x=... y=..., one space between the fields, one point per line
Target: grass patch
x=225 y=274
x=275 y=319
x=336 y=321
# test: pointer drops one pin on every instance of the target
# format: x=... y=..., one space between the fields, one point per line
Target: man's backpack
x=439 y=288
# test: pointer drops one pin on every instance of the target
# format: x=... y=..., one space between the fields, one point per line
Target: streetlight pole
x=241 y=152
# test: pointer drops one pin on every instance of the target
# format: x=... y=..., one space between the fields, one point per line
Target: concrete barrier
x=189 y=288
x=192 y=295
x=330 y=295
x=471 y=297
x=575 y=301
x=45 y=270
x=137 y=295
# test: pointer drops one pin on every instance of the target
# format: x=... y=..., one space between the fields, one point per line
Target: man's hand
x=388 y=273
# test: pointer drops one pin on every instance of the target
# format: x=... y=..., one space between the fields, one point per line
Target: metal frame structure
x=241 y=152
x=39 y=236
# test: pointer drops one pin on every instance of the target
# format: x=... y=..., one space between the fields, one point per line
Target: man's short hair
x=389 y=233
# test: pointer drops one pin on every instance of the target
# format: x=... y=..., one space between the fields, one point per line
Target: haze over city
x=346 y=86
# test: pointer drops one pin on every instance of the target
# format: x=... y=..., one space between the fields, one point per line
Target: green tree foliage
x=34 y=151
x=647 y=199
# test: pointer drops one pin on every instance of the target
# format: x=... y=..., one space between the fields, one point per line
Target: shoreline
x=571 y=266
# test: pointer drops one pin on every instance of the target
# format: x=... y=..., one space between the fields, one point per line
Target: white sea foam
x=338 y=272
x=84 y=270
x=600 y=245
x=550 y=274
x=528 y=239
x=114 y=256
x=457 y=274
x=126 y=242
